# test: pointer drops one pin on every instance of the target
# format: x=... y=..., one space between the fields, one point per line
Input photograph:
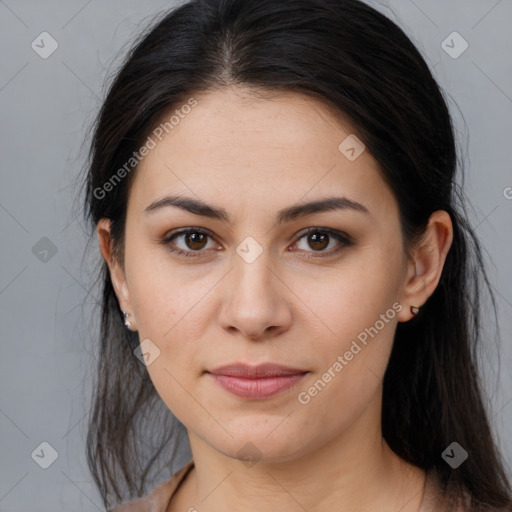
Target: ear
x=426 y=264
x=117 y=274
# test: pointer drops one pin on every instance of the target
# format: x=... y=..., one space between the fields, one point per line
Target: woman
x=287 y=270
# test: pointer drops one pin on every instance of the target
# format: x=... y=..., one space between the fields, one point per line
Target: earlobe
x=426 y=264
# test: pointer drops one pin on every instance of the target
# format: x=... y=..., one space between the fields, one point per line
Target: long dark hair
x=362 y=65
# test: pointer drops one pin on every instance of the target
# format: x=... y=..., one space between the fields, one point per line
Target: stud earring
x=414 y=310
x=126 y=321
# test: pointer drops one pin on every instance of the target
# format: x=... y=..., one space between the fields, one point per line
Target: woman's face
x=253 y=288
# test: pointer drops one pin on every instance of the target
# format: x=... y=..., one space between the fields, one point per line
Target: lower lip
x=263 y=387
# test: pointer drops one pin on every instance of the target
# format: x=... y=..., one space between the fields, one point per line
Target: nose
x=255 y=300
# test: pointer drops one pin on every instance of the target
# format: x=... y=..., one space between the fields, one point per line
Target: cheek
x=163 y=295
x=169 y=310
x=352 y=299
x=358 y=309
x=170 y=320
x=350 y=376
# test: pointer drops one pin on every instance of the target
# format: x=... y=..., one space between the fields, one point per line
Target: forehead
x=236 y=144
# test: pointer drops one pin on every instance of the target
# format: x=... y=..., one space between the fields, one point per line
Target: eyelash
x=341 y=237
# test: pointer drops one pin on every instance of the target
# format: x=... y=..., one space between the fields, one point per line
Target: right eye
x=193 y=239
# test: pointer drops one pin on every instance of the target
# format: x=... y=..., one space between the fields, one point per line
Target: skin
x=253 y=156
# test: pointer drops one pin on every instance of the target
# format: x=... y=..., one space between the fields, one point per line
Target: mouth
x=256 y=382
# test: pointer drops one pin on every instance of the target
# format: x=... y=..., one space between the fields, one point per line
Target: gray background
x=46 y=299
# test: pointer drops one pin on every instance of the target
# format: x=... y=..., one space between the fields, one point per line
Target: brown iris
x=318 y=240
x=197 y=240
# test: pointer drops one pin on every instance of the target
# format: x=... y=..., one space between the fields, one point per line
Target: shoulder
x=158 y=499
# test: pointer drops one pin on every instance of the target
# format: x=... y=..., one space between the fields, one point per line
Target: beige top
x=159 y=498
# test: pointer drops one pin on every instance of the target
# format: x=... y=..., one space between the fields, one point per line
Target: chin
x=251 y=445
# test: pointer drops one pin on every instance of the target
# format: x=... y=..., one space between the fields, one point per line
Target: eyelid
x=184 y=231
x=343 y=238
x=330 y=231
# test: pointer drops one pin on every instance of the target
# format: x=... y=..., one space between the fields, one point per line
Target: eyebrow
x=198 y=207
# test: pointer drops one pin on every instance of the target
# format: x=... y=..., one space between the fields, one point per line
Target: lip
x=248 y=371
x=257 y=382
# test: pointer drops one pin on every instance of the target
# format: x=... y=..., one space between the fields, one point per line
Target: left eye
x=318 y=239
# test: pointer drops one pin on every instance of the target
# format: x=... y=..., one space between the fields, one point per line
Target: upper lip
x=249 y=371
